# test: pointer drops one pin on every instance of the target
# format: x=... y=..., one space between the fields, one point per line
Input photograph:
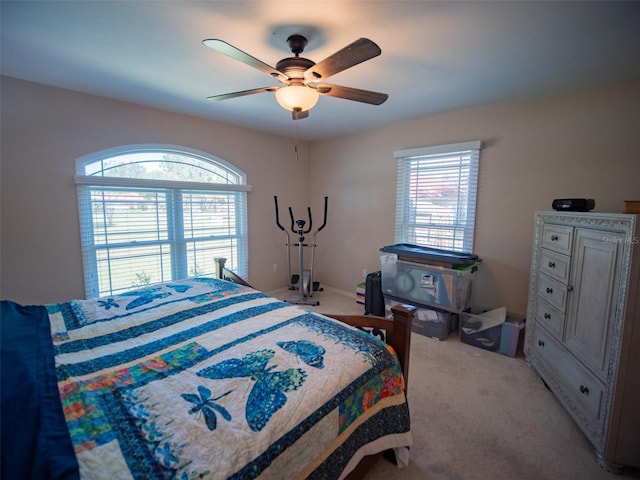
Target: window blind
x=436 y=195
x=138 y=230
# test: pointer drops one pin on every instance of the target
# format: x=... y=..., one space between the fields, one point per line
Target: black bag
x=373 y=299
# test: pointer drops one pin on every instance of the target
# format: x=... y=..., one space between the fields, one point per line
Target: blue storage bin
x=483 y=330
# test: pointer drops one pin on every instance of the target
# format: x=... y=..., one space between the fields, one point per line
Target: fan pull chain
x=295 y=140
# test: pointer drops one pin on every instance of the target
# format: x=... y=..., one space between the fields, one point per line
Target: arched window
x=154 y=213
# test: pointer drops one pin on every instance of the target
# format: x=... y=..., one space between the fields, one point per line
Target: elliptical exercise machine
x=304 y=279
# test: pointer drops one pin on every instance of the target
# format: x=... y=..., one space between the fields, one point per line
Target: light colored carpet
x=480 y=415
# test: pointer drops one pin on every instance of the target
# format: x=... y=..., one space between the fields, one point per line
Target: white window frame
x=425 y=173
x=174 y=191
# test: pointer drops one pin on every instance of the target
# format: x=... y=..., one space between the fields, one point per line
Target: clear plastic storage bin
x=428 y=322
x=428 y=285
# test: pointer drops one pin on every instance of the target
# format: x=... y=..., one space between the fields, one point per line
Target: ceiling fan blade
x=226 y=96
x=237 y=54
x=353 y=54
x=355 y=94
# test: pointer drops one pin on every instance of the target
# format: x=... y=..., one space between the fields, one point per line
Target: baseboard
x=329 y=289
x=277 y=291
x=341 y=292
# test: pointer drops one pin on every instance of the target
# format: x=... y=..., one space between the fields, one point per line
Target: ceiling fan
x=300 y=76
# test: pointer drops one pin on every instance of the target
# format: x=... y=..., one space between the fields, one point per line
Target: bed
x=199 y=378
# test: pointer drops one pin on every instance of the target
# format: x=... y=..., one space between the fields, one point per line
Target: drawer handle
x=554 y=238
x=540 y=343
x=549 y=290
x=584 y=390
x=547 y=316
x=552 y=264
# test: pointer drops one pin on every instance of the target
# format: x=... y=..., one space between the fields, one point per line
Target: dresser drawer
x=550 y=317
x=557 y=238
x=555 y=265
x=553 y=292
x=576 y=382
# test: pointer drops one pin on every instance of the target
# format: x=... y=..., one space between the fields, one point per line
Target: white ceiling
x=436 y=56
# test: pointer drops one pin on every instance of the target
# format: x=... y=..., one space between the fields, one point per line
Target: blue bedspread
x=35 y=441
x=203 y=378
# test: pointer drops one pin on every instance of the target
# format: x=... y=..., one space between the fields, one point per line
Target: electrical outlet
x=364 y=273
x=275 y=267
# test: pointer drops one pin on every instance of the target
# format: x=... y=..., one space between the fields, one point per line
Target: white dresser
x=583 y=325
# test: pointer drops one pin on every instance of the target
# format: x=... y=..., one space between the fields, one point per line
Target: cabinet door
x=592 y=302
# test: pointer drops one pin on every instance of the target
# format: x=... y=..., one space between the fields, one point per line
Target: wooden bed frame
x=399 y=337
x=398 y=329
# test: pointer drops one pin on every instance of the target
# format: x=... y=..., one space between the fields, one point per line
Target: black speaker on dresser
x=573 y=204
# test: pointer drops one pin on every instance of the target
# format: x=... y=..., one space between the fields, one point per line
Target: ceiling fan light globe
x=297 y=97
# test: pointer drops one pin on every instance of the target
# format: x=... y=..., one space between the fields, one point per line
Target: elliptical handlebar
x=310 y=220
x=293 y=221
x=324 y=223
x=275 y=199
x=301 y=223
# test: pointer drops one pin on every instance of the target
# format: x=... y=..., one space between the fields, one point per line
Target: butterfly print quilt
x=204 y=378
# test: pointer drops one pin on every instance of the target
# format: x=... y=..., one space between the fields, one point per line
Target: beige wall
x=45 y=129
x=583 y=145
x=580 y=145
